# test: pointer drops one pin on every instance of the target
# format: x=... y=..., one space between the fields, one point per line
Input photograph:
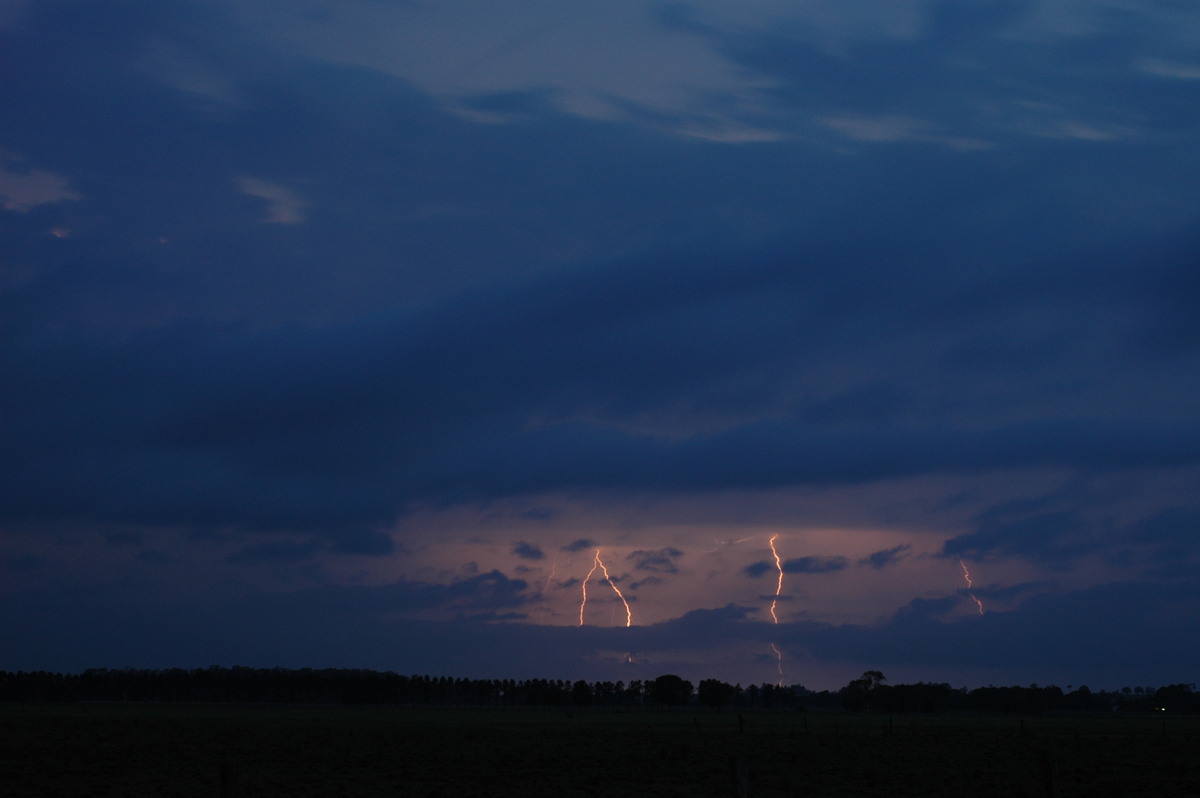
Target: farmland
x=238 y=750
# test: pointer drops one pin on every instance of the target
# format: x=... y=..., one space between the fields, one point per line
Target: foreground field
x=165 y=750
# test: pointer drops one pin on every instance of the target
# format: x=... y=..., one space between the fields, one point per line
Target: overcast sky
x=370 y=333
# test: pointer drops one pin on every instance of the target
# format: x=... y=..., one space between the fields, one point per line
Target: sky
x=842 y=335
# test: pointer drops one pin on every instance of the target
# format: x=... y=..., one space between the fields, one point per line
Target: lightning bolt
x=779 y=584
x=598 y=563
x=553 y=571
x=967 y=577
x=774 y=603
x=617 y=590
x=583 y=601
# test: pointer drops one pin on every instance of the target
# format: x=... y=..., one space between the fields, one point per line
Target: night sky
x=346 y=334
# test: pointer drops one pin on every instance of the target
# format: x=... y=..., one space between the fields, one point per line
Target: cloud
x=285 y=550
x=1054 y=536
x=460 y=51
x=283 y=205
x=528 y=551
x=814 y=565
x=756 y=569
x=1171 y=69
x=659 y=561
x=524 y=288
x=579 y=545
x=885 y=557
x=25 y=189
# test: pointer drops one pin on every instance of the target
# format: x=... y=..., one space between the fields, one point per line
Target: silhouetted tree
x=714 y=693
x=1178 y=698
x=670 y=690
x=856 y=695
x=581 y=694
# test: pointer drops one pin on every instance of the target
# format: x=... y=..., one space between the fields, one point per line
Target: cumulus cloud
x=528 y=551
x=885 y=557
x=658 y=561
x=579 y=545
x=23 y=189
x=815 y=565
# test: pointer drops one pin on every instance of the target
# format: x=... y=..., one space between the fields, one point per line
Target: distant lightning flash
x=774 y=602
x=778 y=584
x=617 y=590
x=598 y=563
x=967 y=576
x=583 y=601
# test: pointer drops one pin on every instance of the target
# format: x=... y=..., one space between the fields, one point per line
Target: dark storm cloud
x=659 y=560
x=579 y=545
x=756 y=569
x=341 y=427
x=1057 y=530
x=528 y=551
x=883 y=558
x=290 y=300
x=274 y=551
x=1100 y=633
x=814 y=565
x=1056 y=536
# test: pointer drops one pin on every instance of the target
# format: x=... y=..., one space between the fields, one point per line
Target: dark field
x=172 y=750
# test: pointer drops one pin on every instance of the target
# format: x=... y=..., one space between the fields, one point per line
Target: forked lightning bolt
x=598 y=563
x=967 y=576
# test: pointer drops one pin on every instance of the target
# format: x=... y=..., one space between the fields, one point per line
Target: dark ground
x=183 y=750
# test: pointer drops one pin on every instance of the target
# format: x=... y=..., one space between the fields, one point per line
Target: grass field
x=172 y=750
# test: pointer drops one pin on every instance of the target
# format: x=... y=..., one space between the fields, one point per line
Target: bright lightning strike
x=778 y=584
x=617 y=590
x=774 y=603
x=583 y=601
x=598 y=563
x=967 y=577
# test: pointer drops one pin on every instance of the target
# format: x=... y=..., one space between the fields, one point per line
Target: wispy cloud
x=284 y=206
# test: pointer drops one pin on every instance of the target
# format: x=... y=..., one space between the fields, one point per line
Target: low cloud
x=527 y=551
x=815 y=565
x=659 y=560
x=885 y=557
x=579 y=545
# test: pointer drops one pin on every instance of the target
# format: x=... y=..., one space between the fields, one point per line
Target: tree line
x=867 y=693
